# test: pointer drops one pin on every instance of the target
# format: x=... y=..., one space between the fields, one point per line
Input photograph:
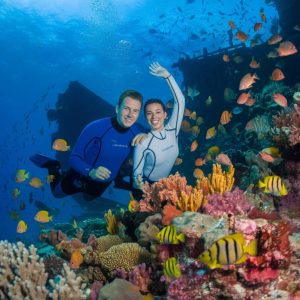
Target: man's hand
x=100 y=173
x=138 y=139
x=138 y=183
x=157 y=70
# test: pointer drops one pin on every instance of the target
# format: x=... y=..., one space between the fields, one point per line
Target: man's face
x=128 y=112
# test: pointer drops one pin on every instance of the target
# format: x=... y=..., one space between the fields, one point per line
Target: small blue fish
x=237 y=110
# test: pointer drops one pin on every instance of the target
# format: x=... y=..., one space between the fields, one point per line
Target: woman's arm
x=138 y=166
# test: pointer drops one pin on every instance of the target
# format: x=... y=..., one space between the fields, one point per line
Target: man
x=99 y=152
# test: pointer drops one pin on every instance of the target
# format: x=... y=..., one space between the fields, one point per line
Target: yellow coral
x=112 y=224
x=221 y=181
x=191 y=202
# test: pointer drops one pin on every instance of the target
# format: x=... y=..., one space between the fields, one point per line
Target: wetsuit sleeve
x=179 y=105
x=138 y=162
x=87 y=136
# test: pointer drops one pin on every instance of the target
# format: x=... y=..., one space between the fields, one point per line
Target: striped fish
x=172 y=268
x=260 y=125
x=168 y=235
x=228 y=250
x=273 y=185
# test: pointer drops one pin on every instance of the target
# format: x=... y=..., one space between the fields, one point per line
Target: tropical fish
x=187 y=112
x=262 y=15
x=228 y=250
x=247 y=81
x=213 y=150
x=257 y=26
x=43 y=216
x=253 y=42
x=50 y=178
x=21 y=175
x=231 y=24
x=76 y=259
x=277 y=75
x=74 y=224
x=208 y=101
x=133 y=204
x=273 y=151
x=198 y=173
x=225 y=117
x=200 y=162
x=193 y=115
x=238 y=59
x=195 y=130
x=272 y=54
x=210 y=133
x=250 y=102
x=193 y=92
x=21 y=227
x=254 y=64
x=223 y=159
x=199 y=121
x=280 y=99
x=229 y=94
x=185 y=126
x=240 y=35
x=194 y=145
x=286 y=48
x=273 y=185
x=168 y=235
x=60 y=145
x=274 y=39
x=16 y=193
x=266 y=157
x=171 y=268
x=226 y=58
x=178 y=161
x=237 y=110
x=35 y=182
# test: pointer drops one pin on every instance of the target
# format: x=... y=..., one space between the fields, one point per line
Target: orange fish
x=200 y=162
x=43 y=216
x=266 y=157
x=60 y=145
x=242 y=99
x=231 y=24
x=254 y=64
x=194 y=145
x=257 y=26
x=250 y=102
x=185 y=126
x=210 y=133
x=178 y=161
x=286 y=48
x=198 y=173
x=35 y=182
x=22 y=227
x=21 y=175
x=223 y=159
x=76 y=259
x=225 y=117
x=240 y=35
x=133 y=204
x=274 y=39
x=277 y=75
x=280 y=99
x=247 y=81
x=226 y=58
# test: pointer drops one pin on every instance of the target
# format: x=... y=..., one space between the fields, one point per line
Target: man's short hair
x=151 y=101
x=132 y=94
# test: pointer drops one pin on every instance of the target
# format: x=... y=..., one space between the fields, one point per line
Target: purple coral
x=235 y=203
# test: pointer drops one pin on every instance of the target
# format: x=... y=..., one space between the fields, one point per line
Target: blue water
x=105 y=45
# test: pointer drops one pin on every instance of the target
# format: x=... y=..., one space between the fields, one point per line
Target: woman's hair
x=150 y=101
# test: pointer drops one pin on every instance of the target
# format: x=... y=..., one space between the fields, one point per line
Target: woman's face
x=155 y=116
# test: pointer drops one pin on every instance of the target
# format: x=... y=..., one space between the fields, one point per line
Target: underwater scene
x=150 y=149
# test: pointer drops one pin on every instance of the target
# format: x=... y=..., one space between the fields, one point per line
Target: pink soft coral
x=235 y=203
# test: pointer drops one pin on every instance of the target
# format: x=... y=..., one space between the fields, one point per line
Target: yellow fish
x=193 y=115
x=75 y=225
x=16 y=193
x=214 y=150
x=60 y=145
x=35 y=182
x=21 y=175
x=273 y=185
x=228 y=250
x=171 y=268
x=133 y=204
x=22 y=227
x=168 y=235
x=43 y=216
x=210 y=133
x=76 y=259
x=50 y=178
x=274 y=151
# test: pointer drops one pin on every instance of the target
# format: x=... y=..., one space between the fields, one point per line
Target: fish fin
x=50 y=218
x=266 y=191
x=261 y=184
x=241 y=260
x=181 y=237
x=214 y=265
x=251 y=249
x=177 y=272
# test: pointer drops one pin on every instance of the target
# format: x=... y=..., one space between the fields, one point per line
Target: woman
x=155 y=156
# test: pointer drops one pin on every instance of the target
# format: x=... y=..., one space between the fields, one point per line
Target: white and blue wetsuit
x=154 y=158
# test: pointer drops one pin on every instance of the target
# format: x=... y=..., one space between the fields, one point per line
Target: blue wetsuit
x=102 y=143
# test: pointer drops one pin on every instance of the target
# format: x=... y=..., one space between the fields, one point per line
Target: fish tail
x=50 y=218
x=261 y=184
x=181 y=237
x=251 y=249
